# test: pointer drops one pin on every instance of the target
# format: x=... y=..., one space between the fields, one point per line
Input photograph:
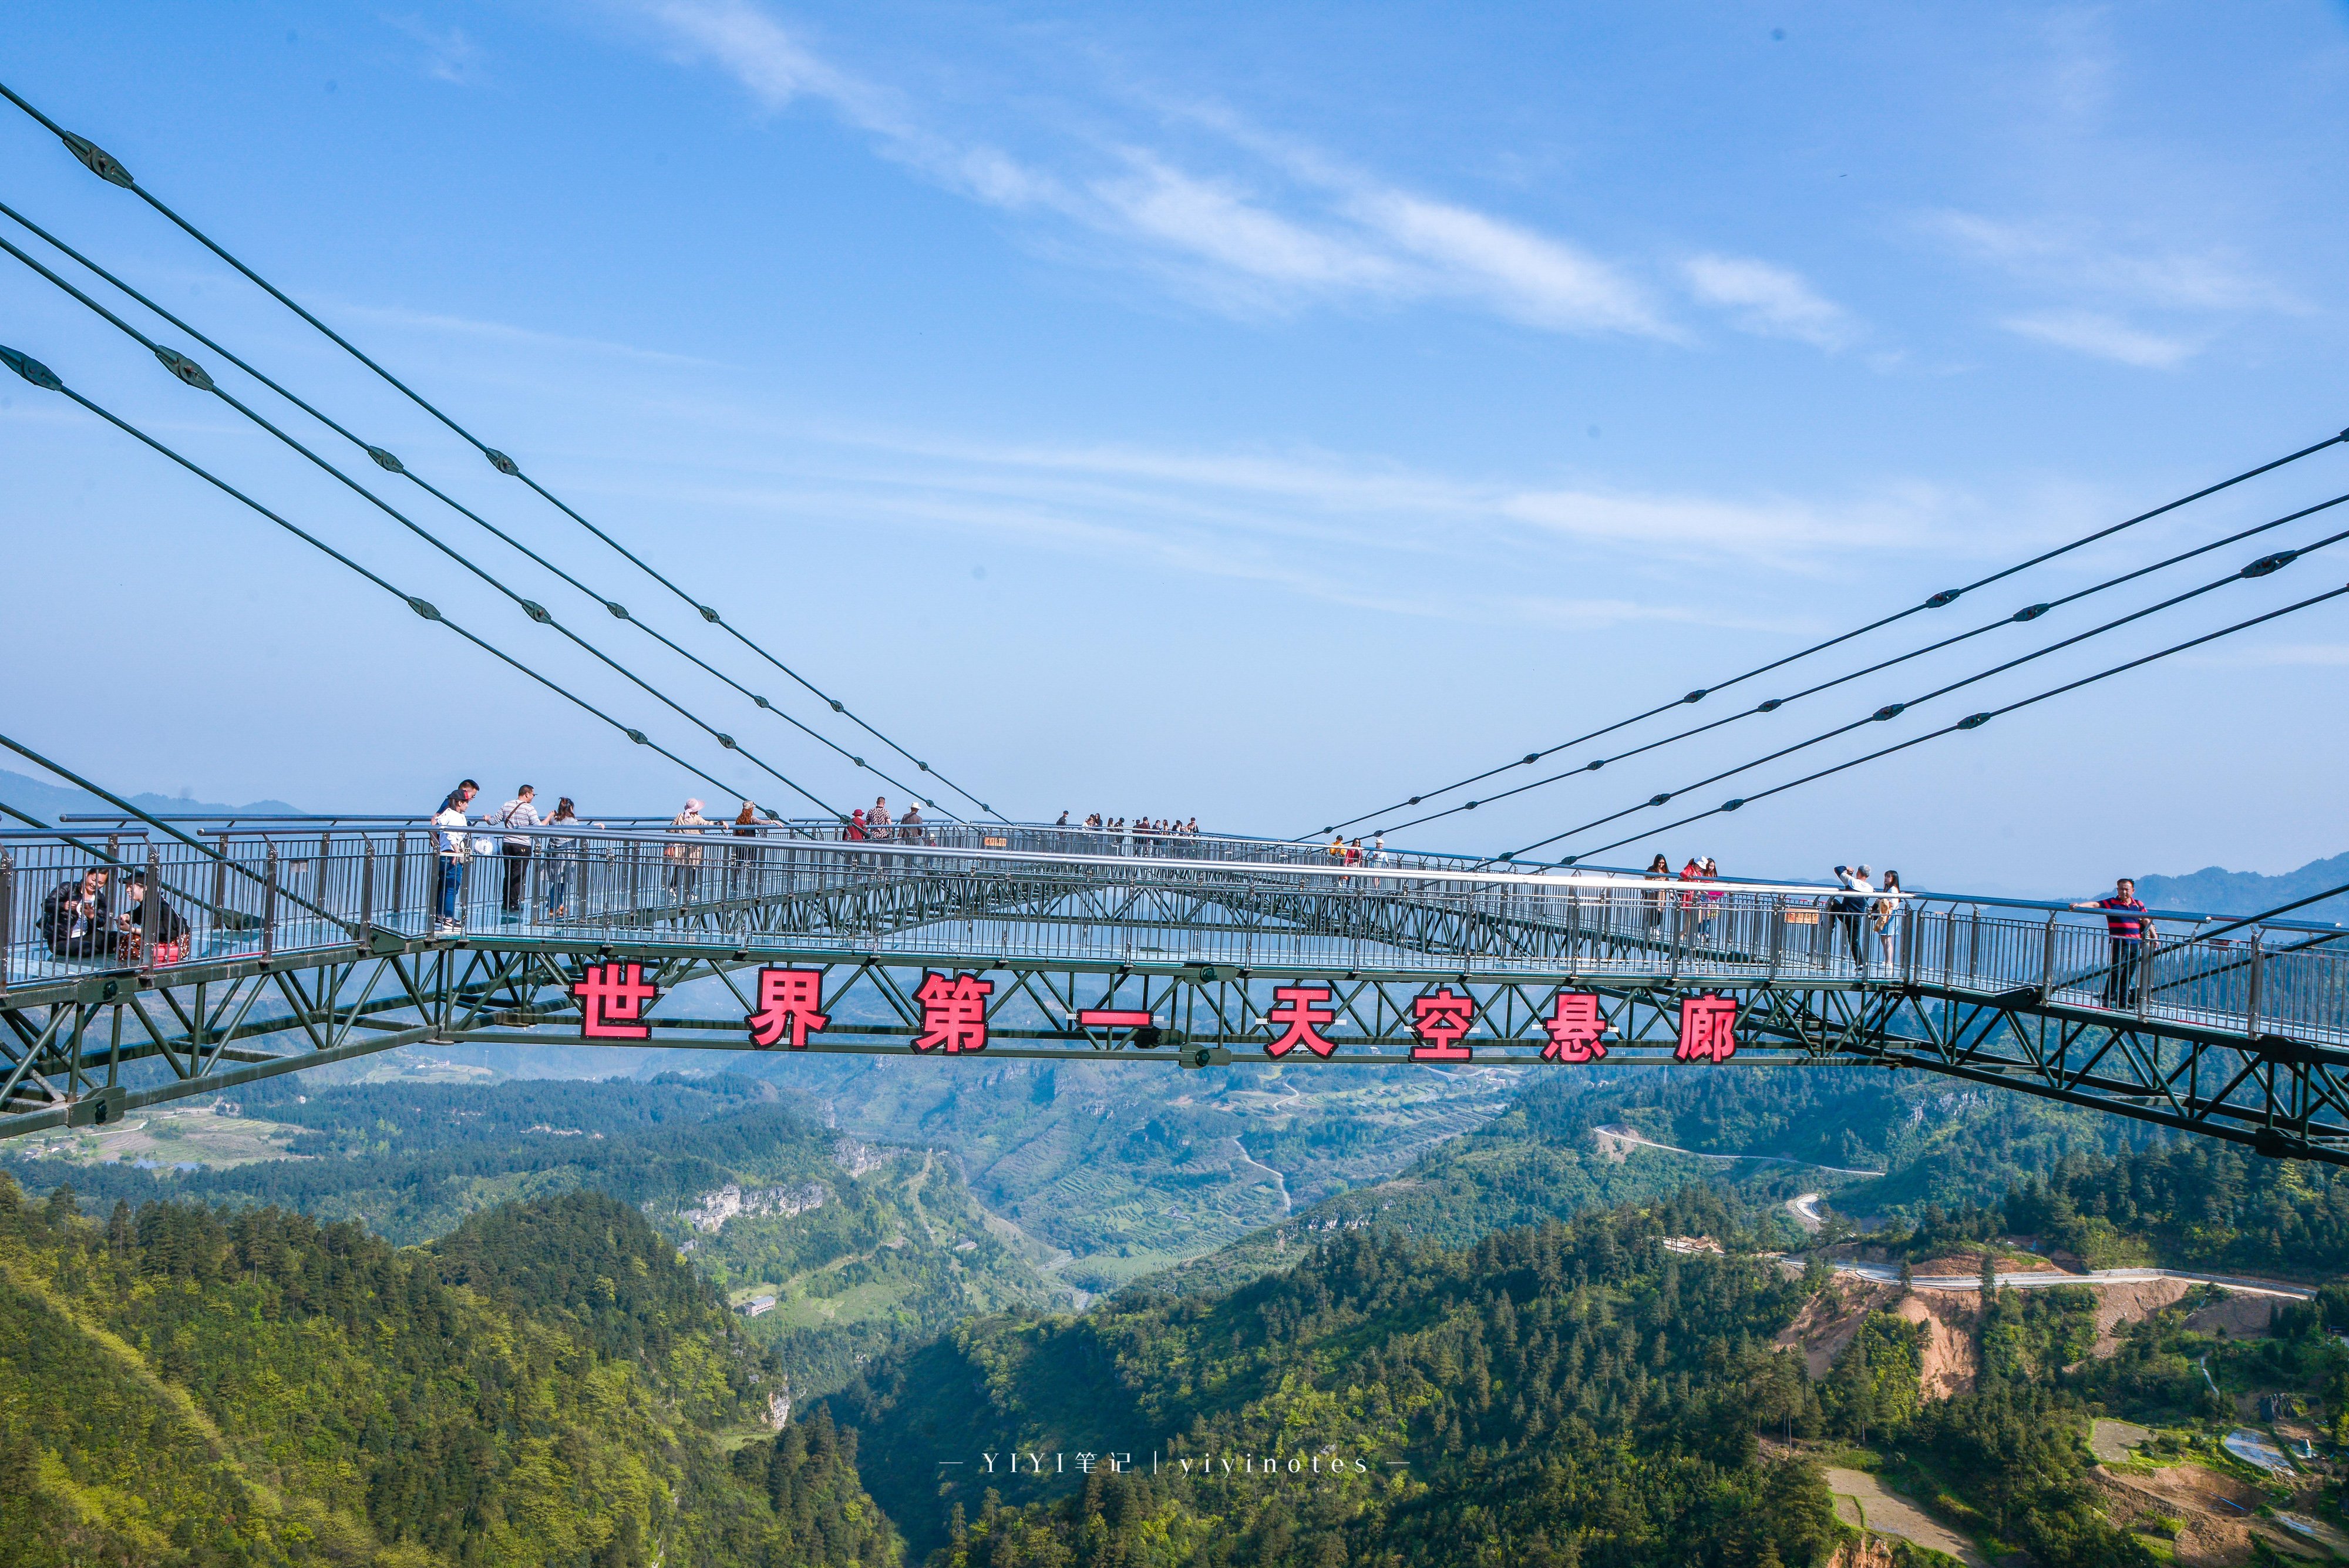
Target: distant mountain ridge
x=48 y=802
x=2214 y=890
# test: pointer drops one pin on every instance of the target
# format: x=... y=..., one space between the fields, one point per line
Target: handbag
x=485 y=846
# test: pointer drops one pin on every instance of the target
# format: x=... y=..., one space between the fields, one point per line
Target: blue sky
x=1260 y=413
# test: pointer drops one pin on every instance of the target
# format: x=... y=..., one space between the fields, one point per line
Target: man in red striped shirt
x=2130 y=931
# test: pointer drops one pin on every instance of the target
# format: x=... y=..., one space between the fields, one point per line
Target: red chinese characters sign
x=1301 y=1011
x=790 y=1002
x=1441 y=1020
x=1708 y=1029
x=954 y=1012
x=1575 y=1028
x=613 y=1000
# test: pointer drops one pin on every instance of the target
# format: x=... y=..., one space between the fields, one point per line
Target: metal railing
x=980 y=893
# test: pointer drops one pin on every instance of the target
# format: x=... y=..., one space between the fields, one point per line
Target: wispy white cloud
x=2065 y=256
x=449 y=56
x=2101 y=295
x=1767 y=300
x=1307 y=231
x=2104 y=337
x=504 y=332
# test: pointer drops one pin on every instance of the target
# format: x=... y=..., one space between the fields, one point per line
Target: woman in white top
x=455 y=850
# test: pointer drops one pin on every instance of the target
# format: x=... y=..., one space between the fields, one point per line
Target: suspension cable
x=2028 y=613
x=1976 y=720
x=1940 y=600
x=109 y=169
x=392 y=464
x=2264 y=566
x=195 y=375
x=41 y=376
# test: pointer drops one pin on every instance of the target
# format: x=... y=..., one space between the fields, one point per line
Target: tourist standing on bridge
x=515 y=851
x=909 y=826
x=746 y=825
x=876 y=821
x=74 y=917
x=1659 y=870
x=456 y=848
x=2130 y=933
x=1859 y=893
x=685 y=859
x=560 y=853
x=1887 y=911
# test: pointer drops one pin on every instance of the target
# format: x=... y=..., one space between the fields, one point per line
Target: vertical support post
x=1676 y=913
x=2252 y=1001
x=1909 y=940
x=151 y=909
x=367 y=883
x=2145 y=957
x=1775 y=909
x=269 y=902
x=399 y=874
x=325 y=852
x=220 y=877
x=2047 y=956
x=7 y=912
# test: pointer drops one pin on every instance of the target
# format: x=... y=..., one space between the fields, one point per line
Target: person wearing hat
x=685 y=859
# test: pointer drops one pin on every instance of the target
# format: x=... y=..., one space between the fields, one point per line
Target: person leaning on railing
x=515 y=851
x=2130 y=934
x=455 y=850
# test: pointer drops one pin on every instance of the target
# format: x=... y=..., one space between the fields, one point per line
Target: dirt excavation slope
x=1829 y=1319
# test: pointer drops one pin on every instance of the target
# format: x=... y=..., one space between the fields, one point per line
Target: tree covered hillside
x=1570 y=1392
x=862 y=1245
x=185 y=1386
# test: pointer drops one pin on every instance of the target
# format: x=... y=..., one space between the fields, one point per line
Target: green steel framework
x=2199 y=1043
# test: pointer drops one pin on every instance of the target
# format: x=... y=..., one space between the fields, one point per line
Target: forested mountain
x=179 y=1384
x=2196 y=1203
x=861 y=1245
x=1591 y=1392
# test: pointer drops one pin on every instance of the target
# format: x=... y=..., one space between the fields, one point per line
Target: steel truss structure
x=334 y=954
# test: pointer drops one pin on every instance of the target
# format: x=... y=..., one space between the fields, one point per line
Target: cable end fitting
x=1974 y=721
x=502 y=462
x=1508 y=856
x=1529 y=759
x=921 y=764
x=1470 y=806
x=637 y=736
x=727 y=742
x=1732 y=804
x=761 y=702
x=185 y=368
x=837 y=705
x=1413 y=801
x=424 y=608
x=98 y=161
x=1945 y=598
x=536 y=612
x=860 y=762
x=1889 y=711
x=32 y=369
x=1593 y=764
x=2266 y=564
x=1770 y=706
x=1659 y=799
x=2030 y=612
x=707 y=614
x=619 y=611
x=385 y=460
